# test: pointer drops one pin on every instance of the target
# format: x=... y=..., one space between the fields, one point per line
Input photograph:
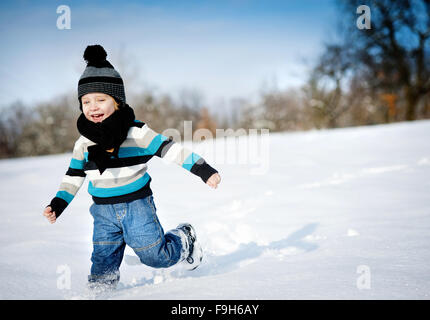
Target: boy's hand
x=49 y=214
x=214 y=180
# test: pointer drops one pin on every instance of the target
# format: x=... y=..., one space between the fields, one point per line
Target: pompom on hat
x=100 y=76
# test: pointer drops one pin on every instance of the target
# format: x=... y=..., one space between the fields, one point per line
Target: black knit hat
x=100 y=76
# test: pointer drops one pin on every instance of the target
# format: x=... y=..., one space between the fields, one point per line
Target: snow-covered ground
x=335 y=214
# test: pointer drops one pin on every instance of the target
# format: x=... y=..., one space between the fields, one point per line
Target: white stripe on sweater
x=135 y=133
x=115 y=173
x=173 y=152
x=75 y=180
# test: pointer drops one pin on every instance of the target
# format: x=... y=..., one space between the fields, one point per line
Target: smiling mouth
x=97 y=117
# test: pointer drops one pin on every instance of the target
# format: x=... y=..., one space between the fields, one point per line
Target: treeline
x=50 y=128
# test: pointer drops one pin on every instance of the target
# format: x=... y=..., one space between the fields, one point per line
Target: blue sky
x=222 y=49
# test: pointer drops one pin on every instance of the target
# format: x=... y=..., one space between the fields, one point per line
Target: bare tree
x=13 y=118
x=392 y=57
x=51 y=130
x=206 y=121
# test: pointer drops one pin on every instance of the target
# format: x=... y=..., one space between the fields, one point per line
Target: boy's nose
x=94 y=106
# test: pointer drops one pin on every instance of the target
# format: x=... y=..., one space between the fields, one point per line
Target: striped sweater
x=126 y=178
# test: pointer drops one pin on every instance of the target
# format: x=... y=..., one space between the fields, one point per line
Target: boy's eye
x=101 y=99
x=85 y=102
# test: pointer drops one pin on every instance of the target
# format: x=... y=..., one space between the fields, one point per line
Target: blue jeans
x=133 y=223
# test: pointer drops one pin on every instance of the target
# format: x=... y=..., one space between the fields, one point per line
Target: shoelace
x=191 y=240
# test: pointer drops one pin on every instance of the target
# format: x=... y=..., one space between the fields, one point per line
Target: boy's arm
x=71 y=182
x=173 y=152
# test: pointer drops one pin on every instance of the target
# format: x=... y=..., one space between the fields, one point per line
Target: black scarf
x=108 y=134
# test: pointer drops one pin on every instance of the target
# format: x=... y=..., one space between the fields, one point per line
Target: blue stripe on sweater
x=65 y=196
x=190 y=161
x=118 y=191
x=77 y=164
x=132 y=152
x=156 y=143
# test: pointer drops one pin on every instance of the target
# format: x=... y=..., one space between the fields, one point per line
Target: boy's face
x=97 y=106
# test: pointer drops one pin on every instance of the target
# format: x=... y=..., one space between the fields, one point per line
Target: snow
x=333 y=214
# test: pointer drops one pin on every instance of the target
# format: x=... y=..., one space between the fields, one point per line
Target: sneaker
x=194 y=255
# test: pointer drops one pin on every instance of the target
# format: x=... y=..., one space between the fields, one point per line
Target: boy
x=113 y=151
